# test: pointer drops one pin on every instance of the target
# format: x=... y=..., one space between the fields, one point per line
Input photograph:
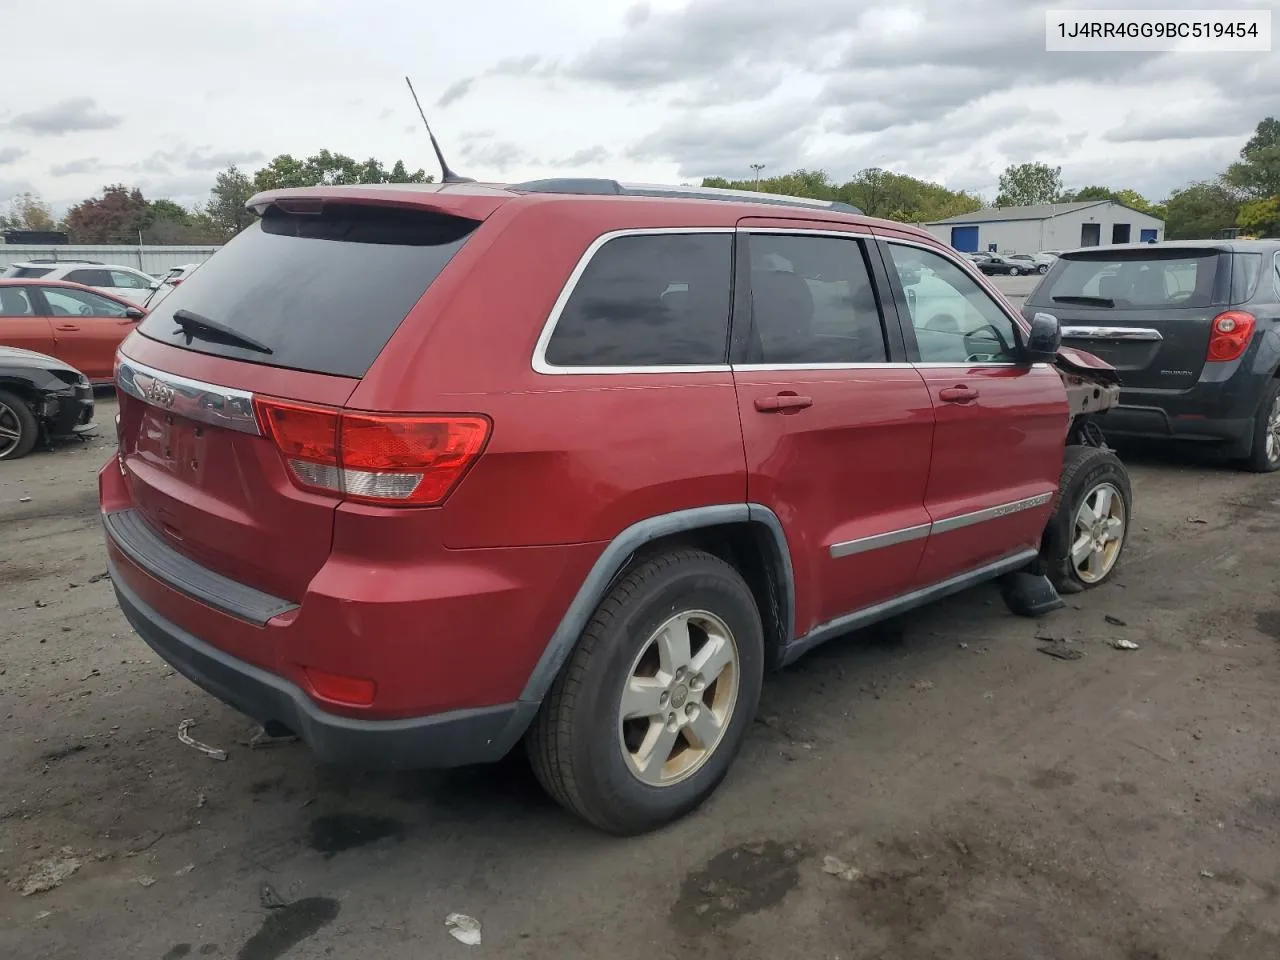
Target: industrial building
x=1047 y=226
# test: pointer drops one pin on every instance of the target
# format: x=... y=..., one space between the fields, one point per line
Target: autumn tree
x=115 y=217
x=1025 y=184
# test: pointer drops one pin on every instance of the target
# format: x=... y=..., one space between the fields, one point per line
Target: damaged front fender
x=1093 y=386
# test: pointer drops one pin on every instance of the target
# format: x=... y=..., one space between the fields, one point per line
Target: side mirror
x=1044 y=339
x=133 y=313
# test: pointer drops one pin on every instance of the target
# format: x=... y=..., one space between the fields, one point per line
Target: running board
x=908 y=601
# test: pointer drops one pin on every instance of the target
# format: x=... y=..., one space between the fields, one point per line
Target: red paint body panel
x=852 y=465
x=86 y=343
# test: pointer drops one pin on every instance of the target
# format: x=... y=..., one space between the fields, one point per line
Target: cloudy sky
x=162 y=95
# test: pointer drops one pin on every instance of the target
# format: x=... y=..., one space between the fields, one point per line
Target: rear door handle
x=67 y=326
x=782 y=403
x=957 y=394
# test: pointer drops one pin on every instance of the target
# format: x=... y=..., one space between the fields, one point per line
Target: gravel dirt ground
x=982 y=799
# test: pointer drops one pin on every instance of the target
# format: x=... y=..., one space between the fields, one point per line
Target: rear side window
x=91 y=278
x=1169 y=278
x=1246 y=268
x=651 y=300
x=323 y=292
x=26 y=273
x=812 y=302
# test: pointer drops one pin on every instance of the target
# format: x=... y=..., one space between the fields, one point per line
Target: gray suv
x=1192 y=328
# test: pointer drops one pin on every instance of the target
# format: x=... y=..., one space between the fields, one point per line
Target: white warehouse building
x=1047 y=226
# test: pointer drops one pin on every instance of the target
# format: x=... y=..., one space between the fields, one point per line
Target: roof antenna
x=446 y=175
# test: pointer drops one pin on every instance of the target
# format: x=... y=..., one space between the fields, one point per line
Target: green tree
x=1198 y=211
x=1260 y=217
x=28 y=212
x=1026 y=183
x=1266 y=134
x=226 y=208
x=1088 y=193
x=332 y=169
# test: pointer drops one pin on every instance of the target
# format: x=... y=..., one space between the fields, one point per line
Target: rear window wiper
x=197 y=327
x=1092 y=301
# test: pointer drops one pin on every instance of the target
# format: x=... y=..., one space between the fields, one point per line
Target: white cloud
x=664 y=90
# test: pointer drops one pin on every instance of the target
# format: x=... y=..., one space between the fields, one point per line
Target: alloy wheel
x=680 y=695
x=10 y=430
x=1099 y=532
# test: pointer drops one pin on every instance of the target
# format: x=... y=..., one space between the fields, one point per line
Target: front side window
x=90 y=278
x=812 y=302
x=649 y=300
x=131 y=281
x=955 y=320
x=64 y=302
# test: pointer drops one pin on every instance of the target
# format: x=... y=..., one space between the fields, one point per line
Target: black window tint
x=812 y=302
x=647 y=301
x=1173 y=277
x=954 y=319
x=27 y=273
x=325 y=291
x=90 y=278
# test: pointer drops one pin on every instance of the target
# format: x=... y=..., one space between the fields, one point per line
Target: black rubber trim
x=907 y=601
x=141 y=544
x=452 y=739
x=615 y=555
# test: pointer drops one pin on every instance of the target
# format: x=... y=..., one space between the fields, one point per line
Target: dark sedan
x=994 y=264
x=41 y=399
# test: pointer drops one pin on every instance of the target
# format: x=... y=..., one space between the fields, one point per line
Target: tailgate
x=1149 y=313
x=296 y=308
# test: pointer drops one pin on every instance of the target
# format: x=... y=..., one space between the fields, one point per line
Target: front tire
x=18 y=427
x=656 y=700
x=1043 y=268
x=1264 y=456
x=1013 y=271
x=1089 y=526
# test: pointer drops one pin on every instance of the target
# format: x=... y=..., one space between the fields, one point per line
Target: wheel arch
x=747 y=536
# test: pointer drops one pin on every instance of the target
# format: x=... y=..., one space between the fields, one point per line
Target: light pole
x=757 y=167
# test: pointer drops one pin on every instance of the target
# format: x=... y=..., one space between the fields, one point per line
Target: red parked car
x=77 y=325
x=418 y=473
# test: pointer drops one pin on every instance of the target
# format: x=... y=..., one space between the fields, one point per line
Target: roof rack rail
x=591 y=186
x=63 y=260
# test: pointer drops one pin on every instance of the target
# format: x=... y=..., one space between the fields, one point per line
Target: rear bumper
x=1150 y=421
x=456 y=738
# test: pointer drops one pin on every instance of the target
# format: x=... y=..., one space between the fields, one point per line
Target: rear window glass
x=644 y=301
x=1246 y=268
x=324 y=292
x=1172 y=278
x=27 y=273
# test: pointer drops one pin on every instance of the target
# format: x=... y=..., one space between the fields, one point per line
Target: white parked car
x=133 y=285
x=167 y=282
x=1036 y=262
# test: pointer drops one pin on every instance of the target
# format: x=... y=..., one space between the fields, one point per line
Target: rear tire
x=1264 y=455
x=16 y=418
x=1043 y=268
x=1090 y=523
x=1013 y=271
x=629 y=767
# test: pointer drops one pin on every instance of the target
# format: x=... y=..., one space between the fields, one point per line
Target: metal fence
x=148 y=259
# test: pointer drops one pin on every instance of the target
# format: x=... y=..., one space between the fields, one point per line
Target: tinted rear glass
x=324 y=292
x=1134 y=280
x=27 y=273
x=653 y=300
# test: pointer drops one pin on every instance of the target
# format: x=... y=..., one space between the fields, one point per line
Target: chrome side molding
x=1113 y=333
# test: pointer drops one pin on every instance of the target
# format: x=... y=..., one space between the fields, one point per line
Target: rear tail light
x=351 y=691
x=374 y=458
x=1230 y=335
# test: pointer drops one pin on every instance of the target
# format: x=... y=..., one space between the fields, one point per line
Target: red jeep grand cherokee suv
x=417 y=472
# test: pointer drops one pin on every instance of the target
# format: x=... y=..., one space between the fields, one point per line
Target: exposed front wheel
x=1013 y=271
x=18 y=428
x=1090 y=522
x=648 y=714
x=1043 y=268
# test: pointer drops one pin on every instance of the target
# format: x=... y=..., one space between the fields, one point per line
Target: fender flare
x=615 y=556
